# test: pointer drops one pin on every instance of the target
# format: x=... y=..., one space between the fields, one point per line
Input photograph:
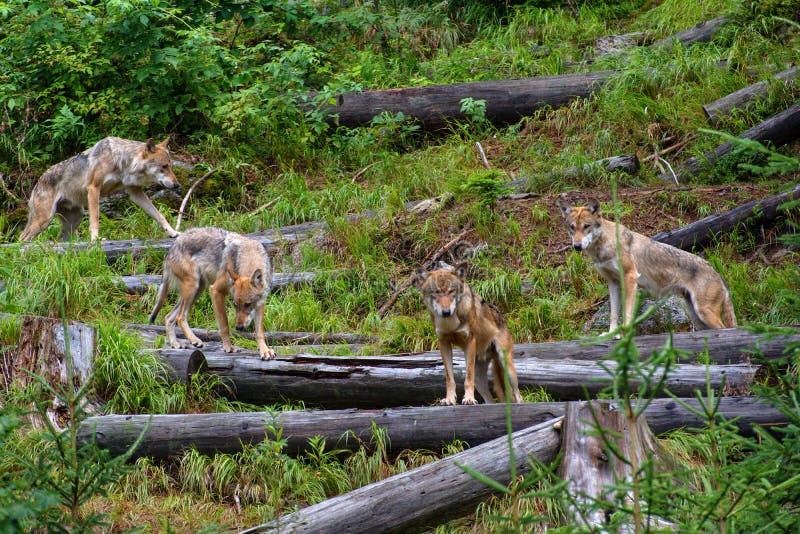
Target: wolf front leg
x=446 y=349
x=470 y=353
x=219 y=292
x=93 y=194
x=265 y=352
x=143 y=201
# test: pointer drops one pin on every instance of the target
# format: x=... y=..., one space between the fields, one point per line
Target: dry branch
x=188 y=194
x=428 y=427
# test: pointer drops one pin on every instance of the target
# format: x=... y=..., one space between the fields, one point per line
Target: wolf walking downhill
x=225 y=262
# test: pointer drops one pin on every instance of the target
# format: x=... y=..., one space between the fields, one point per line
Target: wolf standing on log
x=225 y=262
x=462 y=318
x=66 y=188
x=658 y=268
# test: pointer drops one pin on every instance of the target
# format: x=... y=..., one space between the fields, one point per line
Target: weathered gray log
x=778 y=130
x=746 y=96
x=507 y=101
x=701 y=33
x=140 y=283
x=151 y=331
x=135 y=247
x=406 y=428
x=394 y=380
x=181 y=364
x=424 y=496
x=627 y=163
x=47 y=352
x=699 y=233
x=593 y=466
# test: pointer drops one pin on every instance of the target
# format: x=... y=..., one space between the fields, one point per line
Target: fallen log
x=151 y=331
x=744 y=97
x=433 y=107
x=778 y=130
x=627 y=163
x=136 y=247
x=700 y=33
x=427 y=428
x=140 y=283
x=699 y=233
x=386 y=381
x=424 y=496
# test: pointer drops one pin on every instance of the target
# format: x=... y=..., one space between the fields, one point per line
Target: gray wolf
x=66 y=188
x=462 y=318
x=658 y=268
x=226 y=263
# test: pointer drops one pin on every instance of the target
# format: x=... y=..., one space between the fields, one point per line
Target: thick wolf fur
x=66 y=188
x=658 y=268
x=463 y=319
x=225 y=262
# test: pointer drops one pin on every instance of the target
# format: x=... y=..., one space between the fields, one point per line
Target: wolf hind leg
x=41 y=209
x=482 y=380
x=71 y=217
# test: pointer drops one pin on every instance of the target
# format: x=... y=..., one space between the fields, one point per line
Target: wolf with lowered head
x=226 y=263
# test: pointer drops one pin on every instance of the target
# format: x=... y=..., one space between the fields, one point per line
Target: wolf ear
x=163 y=144
x=563 y=205
x=594 y=207
x=233 y=275
x=461 y=272
x=151 y=145
x=420 y=275
x=257 y=279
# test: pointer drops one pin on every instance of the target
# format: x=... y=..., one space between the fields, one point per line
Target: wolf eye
x=572 y=226
x=587 y=226
x=165 y=167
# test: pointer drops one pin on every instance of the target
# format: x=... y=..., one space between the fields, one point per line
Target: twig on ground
x=188 y=194
x=482 y=155
x=431 y=258
x=361 y=173
x=671 y=148
x=268 y=205
x=6 y=190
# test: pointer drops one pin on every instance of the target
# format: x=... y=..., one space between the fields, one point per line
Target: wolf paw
x=268 y=354
x=469 y=401
x=447 y=402
x=230 y=348
x=197 y=343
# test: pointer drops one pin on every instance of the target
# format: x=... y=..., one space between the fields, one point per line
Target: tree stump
x=42 y=354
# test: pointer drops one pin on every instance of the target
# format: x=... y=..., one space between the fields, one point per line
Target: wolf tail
x=162 y=295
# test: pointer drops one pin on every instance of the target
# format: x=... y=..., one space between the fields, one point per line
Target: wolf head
x=441 y=289
x=584 y=223
x=158 y=164
x=247 y=293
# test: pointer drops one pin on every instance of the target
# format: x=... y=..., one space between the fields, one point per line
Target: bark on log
x=140 y=283
x=42 y=352
x=778 y=130
x=387 y=381
x=744 y=97
x=424 y=496
x=507 y=101
x=135 y=247
x=181 y=364
x=627 y=163
x=151 y=331
x=699 y=233
x=701 y=33
x=406 y=428
x=593 y=469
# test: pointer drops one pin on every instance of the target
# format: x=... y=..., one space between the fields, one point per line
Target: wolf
x=658 y=268
x=225 y=262
x=68 y=187
x=462 y=318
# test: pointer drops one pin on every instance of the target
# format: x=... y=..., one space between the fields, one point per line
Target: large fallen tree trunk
x=387 y=381
x=744 y=97
x=507 y=101
x=140 y=283
x=700 y=33
x=151 y=331
x=424 y=496
x=136 y=247
x=699 y=233
x=428 y=427
x=777 y=130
